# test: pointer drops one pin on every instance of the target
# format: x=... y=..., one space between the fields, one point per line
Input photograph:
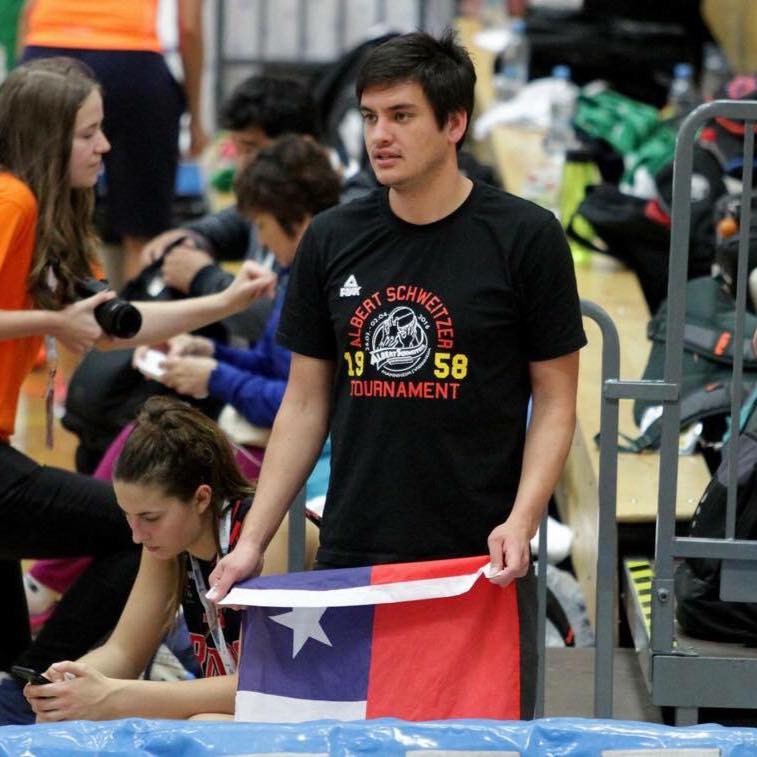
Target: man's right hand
x=244 y=561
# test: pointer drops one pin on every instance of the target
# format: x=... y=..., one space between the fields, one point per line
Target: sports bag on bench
x=707 y=358
x=699 y=610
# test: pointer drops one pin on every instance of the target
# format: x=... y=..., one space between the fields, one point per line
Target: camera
x=116 y=317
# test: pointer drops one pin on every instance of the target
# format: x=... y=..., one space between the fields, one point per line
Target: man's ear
x=456 y=125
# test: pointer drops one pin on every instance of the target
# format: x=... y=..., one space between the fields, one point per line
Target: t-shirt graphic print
x=396 y=331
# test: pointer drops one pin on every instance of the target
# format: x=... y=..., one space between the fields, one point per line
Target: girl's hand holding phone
x=78 y=692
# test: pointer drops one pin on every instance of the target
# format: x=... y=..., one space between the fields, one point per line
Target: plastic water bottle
x=682 y=97
x=715 y=71
x=560 y=136
x=513 y=63
x=544 y=182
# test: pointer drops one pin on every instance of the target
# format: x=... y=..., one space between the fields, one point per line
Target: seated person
x=259 y=110
x=280 y=191
x=104 y=392
x=184 y=499
x=288 y=183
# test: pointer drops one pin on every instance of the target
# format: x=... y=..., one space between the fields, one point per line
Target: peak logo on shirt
x=350 y=288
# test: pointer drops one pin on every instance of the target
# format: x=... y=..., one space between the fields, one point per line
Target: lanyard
x=211 y=612
x=51 y=356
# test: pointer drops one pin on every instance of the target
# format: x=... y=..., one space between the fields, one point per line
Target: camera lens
x=119 y=318
x=116 y=317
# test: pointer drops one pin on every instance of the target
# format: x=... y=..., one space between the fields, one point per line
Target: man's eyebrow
x=398 y=106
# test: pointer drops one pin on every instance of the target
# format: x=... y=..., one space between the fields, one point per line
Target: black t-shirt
x=203 y=645
x=431 y=328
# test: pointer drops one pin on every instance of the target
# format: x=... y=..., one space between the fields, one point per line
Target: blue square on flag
x=417 y=641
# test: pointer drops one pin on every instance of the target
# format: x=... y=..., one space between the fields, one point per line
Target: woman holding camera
x=184 y=498
x=51 y=148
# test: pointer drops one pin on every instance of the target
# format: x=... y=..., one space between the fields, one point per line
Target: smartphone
x=151 y=363
x=30 y=675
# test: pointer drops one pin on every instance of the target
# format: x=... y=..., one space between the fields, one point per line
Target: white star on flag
x=305 y=624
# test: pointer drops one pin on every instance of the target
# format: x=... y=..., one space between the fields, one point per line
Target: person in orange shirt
x=119 y=41
x=51 y=151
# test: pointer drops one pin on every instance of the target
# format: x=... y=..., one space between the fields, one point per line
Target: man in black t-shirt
x=421 y=318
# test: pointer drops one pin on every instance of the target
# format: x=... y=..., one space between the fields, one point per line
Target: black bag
x=640 y=241
x=707 y=360
x=637 y=231
x=728 y=212
x=105 y=392
x=699 y=610
x=606 y=40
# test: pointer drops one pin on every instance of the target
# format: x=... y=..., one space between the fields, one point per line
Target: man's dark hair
x=275 y=104
x=441 y=66
x=291 y=178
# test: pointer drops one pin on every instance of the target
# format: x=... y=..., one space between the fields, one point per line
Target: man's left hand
x=510 y=552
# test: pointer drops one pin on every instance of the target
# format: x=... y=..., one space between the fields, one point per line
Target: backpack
x=699 y=610
x=727 y=220
x=637 y=231
x=630 y=232
x=707 y=360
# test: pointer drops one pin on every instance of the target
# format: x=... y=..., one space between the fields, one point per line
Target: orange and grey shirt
x=94 y=24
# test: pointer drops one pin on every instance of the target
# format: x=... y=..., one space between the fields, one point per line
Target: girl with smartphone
x=184 y=499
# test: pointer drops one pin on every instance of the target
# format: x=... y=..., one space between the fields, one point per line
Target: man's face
x=405 y=145
x=248 y=143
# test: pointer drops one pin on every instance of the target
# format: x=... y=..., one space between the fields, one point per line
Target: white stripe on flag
x=374 y=594
x=252 y=706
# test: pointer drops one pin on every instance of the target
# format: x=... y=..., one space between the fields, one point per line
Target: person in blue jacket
x=288 y=183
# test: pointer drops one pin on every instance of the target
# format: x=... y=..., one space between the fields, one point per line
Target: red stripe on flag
x=463 y=566
x=457 y=657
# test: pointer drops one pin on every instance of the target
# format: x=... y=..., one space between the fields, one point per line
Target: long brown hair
x=39 y=102
x=176 y=448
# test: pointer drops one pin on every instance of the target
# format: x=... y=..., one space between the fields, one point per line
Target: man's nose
x=381 y=132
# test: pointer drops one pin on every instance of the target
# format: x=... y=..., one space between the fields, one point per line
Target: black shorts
x=143 y=103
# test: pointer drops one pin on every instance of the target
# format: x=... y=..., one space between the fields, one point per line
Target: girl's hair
x=39 y=102
x=175 y=447
x=290 y=179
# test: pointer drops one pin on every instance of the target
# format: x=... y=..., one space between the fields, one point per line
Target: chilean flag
x=417 y=641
